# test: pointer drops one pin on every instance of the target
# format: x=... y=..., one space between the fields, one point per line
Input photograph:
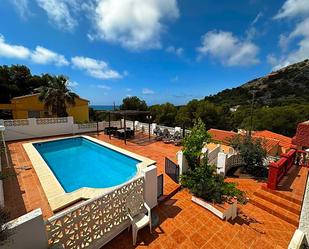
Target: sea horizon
x=104 y=107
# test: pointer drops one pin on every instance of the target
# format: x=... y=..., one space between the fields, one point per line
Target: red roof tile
x=284 y=141
x=221 y=135
x=225 y=136
x=302 y=135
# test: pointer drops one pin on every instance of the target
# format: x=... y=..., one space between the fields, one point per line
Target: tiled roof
x=221 y=135
x=284 y=141
x=268 y=143
x=225 y=136
x=302 y=135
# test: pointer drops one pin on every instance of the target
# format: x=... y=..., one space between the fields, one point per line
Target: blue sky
x=158 y=50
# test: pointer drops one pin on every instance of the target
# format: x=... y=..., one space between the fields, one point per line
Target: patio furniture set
x=119 y=133
x=167 y=137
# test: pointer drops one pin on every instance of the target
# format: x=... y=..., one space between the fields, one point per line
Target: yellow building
x=29 y=106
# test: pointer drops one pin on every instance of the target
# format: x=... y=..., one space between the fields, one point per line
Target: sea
x=104 y=107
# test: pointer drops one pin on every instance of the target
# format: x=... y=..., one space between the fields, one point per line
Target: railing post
x=272 y=175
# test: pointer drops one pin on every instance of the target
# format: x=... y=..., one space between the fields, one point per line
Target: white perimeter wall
x=27 y=232
x=43 y=127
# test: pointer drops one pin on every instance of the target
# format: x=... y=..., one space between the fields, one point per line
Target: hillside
x=285 y=86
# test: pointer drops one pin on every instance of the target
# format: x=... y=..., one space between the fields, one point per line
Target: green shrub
x=204 y=182
x=252 y=152
x=194 y=142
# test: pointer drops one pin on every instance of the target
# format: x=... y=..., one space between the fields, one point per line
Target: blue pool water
x=79 y=162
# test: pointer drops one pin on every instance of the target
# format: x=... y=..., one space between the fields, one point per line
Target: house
x=284 y=141
x=29 y=106
x=270 y=144
x=301 y=138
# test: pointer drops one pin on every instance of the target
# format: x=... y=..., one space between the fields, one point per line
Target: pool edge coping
x=55 y=194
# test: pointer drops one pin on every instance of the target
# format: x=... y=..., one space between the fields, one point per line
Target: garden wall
x=19 y=129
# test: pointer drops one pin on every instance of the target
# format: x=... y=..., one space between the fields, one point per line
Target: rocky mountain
x=285 y=86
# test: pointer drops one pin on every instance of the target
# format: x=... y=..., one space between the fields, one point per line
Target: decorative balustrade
x=278 y=169
x=16 y=122
x=92 y=223
x=87 y=126
x=44 y=121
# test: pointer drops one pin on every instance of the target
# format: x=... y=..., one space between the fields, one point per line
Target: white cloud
x=298 y=37
x=105 y=87
x=128 y=89
x=58 y=12
x=293 y=8
x=72 y=83
x=13 y=51
x=228 y=49
x=147 y=91
x=40 y=55
x=22 y=7
x=95 y=68
x=45 y=56
x=135 y=24
x=176 y=51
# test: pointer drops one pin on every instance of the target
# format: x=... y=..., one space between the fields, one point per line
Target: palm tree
x=56 y=95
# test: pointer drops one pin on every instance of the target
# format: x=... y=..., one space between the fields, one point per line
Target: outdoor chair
x=167 y=137
x=139 y=214
x=177 y=138
x=159 y=134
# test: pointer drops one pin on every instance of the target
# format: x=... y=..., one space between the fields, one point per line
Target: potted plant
x=208 y=188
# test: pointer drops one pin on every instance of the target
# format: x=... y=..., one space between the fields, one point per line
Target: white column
x=182 y=162
x=221 y=163
x=153 y=127
x=151 y=186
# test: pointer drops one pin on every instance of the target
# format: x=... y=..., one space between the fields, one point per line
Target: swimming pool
x=82 y=167
x=78 y=162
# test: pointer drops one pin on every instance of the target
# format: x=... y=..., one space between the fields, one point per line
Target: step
x=275 y=210
x=277 y=200
x=297 y=199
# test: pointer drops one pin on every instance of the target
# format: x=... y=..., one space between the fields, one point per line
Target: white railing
x=87 y=126
x=213 y=155
x=227 y=161
x=44 y=121
x=304 y=215
x=96 y=221
x=18 y=129
x=16 y=122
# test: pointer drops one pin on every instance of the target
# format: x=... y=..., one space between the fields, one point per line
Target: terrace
x=270 y=218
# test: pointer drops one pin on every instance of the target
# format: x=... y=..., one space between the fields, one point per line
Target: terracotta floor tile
x=183 y=224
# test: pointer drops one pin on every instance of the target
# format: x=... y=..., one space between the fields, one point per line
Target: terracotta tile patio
x=184 y=224
x=23 y=193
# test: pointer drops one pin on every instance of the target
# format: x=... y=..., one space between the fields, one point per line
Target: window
x=33 y=114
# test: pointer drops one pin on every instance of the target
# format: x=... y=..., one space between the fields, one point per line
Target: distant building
x=29 y=106
x=234 y=108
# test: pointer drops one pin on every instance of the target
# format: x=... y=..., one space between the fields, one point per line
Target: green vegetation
x=194 y=142
x=55 y=95
x=201 y=178
x=281 y=101
x=133 y=103
x=252 y=152
x=17 y=80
